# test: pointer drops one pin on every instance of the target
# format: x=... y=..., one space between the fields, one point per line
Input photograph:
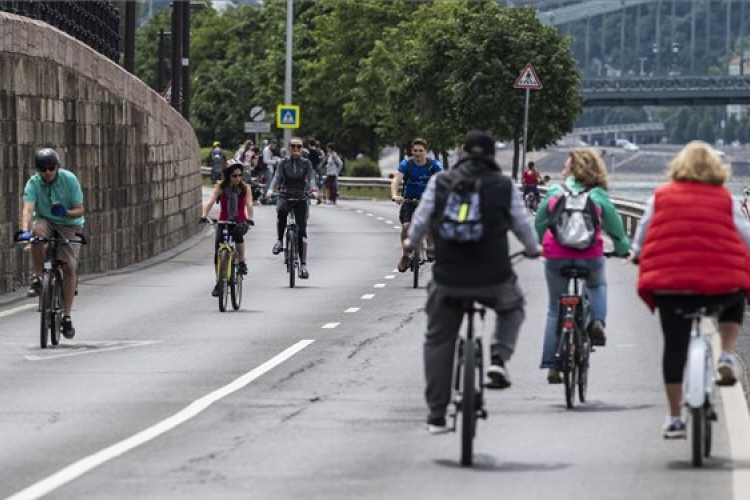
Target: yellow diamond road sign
x=287 y=116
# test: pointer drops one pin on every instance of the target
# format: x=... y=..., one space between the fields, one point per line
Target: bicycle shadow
x=600 y=406
x=710 y=463
x=489 y=463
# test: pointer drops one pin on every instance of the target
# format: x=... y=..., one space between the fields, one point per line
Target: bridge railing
x=94 y=22
x=630 y=211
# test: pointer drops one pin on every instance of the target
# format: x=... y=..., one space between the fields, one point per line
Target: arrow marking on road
x=91 y=348
x=86 y=464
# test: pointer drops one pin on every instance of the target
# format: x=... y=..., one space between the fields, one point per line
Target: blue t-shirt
x=65 y=189
x=418 y=176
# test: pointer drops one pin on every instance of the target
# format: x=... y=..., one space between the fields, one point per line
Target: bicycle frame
x=574 y=346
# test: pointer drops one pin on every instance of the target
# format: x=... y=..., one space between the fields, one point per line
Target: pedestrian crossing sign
x=287 y=116
x=528 y=79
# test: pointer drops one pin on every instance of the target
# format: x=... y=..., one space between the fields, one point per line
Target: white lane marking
x=87 y=349
x=379 y=285
x=390 y=277
x=352 y=310
x=396 y=227
x=19 y=309
x=380 y=218
x=330 y=325
x=395 y=271
x=359 y=211
x=368 y=296
x=369 y=215
x=389 y=222
x=86 y=464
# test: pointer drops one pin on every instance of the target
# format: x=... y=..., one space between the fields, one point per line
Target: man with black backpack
x=469 y=211
x=414 y=172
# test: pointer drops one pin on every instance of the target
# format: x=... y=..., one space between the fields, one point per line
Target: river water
x=642 y=189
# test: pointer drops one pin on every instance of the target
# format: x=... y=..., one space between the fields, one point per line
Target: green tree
x=706 y=131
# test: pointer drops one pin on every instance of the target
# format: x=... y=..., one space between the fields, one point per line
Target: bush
x=366 y=167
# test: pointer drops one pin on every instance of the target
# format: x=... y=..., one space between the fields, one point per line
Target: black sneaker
x=66 y=327
x=303 y=272
x=498 y=375
x=242 y=268
x=437 y=425
x=216 y=291
x=598 y=338
x=277 y=248
x=35 y=288
x=674 y=429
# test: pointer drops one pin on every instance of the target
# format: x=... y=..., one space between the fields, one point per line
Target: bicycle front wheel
x=570 y=370
x=698 y=423
x=468 y=404
x=222 y=273
x=45 y=310
x=56 y=312
x=236 y=288
x=291 y=243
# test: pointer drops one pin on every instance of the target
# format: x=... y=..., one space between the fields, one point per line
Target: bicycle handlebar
x=38 y=240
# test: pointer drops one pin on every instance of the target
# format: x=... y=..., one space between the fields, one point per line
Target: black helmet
x=45 y=158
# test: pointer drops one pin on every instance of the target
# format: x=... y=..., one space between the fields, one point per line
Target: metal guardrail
x=94 y=22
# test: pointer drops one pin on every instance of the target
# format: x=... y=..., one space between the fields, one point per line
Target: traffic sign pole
x=529 y=81
x=525 y=129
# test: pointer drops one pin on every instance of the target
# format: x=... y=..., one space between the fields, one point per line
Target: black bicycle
x=291 y=247
x=468 y=374
x=51 y=303
x=418 y=255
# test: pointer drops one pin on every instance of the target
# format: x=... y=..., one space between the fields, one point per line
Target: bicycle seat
x=465 y=303
x=574 y=272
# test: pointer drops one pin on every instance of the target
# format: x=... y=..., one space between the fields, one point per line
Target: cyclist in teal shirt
x=53 y=201
x=415 y=172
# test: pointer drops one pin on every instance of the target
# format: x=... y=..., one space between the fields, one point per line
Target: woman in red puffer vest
x=692 y=243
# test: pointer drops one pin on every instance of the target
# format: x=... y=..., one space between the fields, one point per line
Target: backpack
x=343 y=165
x=574 y=220
x=217 y=159
x=461 y=220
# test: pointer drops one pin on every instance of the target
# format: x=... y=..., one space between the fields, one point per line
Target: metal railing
x=94 y=22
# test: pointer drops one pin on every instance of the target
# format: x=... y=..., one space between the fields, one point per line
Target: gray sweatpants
x=443 y=323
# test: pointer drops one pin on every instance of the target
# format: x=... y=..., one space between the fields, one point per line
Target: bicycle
x=418 y=255
x=227 y=272
x=743 y=203
x=699 y=385
x=51 y=303
x=468 y=375
x=532 y=205
x=291 y=247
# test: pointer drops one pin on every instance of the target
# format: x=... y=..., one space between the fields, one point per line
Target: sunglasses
x=49 y=168
x=295 y=146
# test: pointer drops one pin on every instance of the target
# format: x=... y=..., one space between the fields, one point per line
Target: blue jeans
x=596 y=284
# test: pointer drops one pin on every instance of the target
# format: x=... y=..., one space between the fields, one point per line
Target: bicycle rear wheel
x=222 y=272
x=236 y=288
x=45 y=310
x=468 y=403
x=583 y=366
x=698 y=425
x=56 y=312
x=570 y=370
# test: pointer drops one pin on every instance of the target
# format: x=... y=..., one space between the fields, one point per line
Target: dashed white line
x=359 y=211
x=86 y=464
x=84 y=349
x=396 y=227
x=368 y=296
x=330 y=325
x=389 y=222
x=379 y=285
x=352 y=310
x=369 y=215
x=390 y=277
x=381 y=218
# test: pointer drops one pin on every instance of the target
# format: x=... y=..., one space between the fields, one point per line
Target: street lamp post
x=288 y=67
x=675 y=55
x=643 y=61
x=655 y=51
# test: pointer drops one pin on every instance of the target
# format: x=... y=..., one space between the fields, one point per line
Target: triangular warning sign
x=528 y=79
x=287 y=118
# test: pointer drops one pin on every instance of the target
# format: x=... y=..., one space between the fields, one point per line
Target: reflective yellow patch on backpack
x=463 y=212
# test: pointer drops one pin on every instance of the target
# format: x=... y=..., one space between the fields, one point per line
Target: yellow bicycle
x=228 y=279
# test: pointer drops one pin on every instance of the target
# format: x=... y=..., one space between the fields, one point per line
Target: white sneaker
x=674 y=429
x=727 y=373
x=498 y=375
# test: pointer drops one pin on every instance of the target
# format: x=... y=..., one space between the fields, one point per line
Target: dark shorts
x=406 y=212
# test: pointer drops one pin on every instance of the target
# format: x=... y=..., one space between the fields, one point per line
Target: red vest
x=692 y=244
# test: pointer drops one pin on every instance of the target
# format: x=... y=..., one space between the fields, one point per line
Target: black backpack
x=461 y=220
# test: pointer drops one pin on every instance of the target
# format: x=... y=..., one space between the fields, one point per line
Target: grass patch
x=365 y=192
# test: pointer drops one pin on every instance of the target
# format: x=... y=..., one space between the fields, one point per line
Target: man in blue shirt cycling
x=414 y=172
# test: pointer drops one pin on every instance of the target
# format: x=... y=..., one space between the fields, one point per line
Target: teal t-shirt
x=65 y=189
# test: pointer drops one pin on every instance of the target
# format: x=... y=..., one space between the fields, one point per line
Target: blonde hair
x=588 y=168
x=698 y=162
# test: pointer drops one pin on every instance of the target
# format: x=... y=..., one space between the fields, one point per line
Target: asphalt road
x=316 y=391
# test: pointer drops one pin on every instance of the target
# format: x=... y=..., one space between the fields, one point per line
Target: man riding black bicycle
x=53 y=202
x=295 y=181
x=470 y=262
x=415 y=172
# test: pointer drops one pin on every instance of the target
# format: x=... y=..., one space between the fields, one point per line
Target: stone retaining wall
x=136 y=157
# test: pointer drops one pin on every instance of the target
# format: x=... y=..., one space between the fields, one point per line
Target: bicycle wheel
x=698 y=424
x=415 y=267
x=56 y=311
x=584 y=355
x=236 y=288
x=222 y=271
x=292 y=266
x=45 y=310
x=468 y=404
x=570 y=370
x=710 y=416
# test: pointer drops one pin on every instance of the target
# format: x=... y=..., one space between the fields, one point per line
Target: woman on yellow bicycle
x=236 y=204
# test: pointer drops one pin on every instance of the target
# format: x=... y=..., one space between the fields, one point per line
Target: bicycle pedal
x=482 y=414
